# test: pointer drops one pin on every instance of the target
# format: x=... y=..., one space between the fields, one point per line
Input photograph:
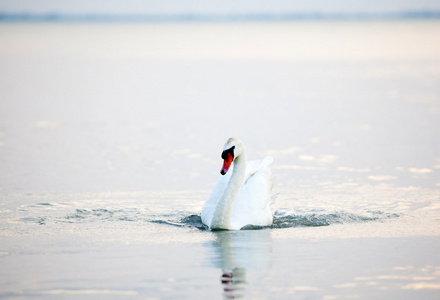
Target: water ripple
x=287 y=219
x=282 y=218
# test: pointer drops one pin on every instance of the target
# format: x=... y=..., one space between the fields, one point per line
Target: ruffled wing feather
x=252 y=205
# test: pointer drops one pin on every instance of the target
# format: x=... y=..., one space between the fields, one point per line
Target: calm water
x=110 y=142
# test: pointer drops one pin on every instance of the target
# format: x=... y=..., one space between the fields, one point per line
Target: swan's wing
x=252 y=205
x=255 y=165
x=211 y=202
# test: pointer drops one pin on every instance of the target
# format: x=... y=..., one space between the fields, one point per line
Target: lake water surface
x=110 y=142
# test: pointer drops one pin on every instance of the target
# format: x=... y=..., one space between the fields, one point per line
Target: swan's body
x=241 y=197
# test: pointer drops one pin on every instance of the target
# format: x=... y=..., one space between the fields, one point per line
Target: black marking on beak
x=230 y=151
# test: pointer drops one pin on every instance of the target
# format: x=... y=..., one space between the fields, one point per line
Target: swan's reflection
x=236 y=251
x=233 y=282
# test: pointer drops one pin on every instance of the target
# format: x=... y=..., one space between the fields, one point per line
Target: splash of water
x=282 y=218
x=286 y=219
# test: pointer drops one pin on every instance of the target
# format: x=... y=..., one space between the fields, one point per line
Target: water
x=110 y=142
x=135 y=245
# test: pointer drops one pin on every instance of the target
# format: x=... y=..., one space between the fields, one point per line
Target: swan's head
x=232 y=149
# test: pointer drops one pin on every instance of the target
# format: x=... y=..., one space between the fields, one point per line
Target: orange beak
x=226 y=164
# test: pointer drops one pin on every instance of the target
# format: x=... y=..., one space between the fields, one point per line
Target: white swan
x=243 y=197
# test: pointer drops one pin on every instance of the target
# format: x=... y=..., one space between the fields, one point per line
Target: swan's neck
x=223 y=210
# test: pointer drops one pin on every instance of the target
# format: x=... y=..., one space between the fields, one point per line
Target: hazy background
x=214 y=7
x=148 y=105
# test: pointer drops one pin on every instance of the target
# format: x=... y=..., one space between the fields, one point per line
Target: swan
x=242 y=196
